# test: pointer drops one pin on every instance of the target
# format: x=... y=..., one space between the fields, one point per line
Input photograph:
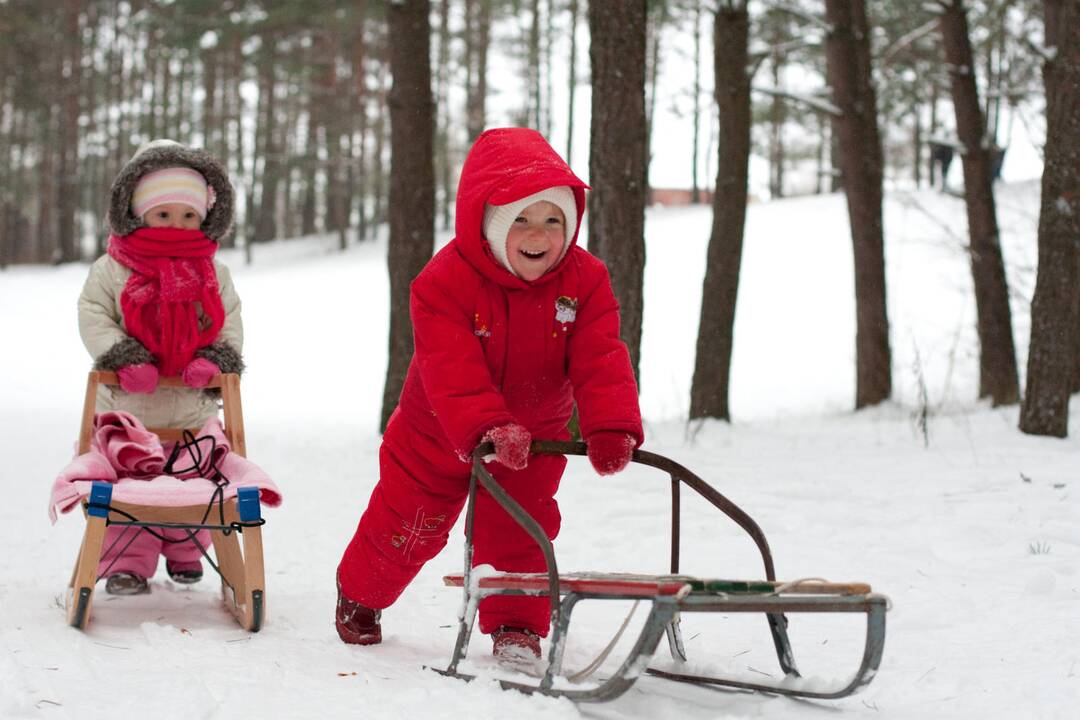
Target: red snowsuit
x=491 y=349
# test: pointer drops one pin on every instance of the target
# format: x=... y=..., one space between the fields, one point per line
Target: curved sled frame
x=242 y=574
x=670 y=595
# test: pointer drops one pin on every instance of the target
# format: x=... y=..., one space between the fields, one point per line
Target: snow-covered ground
x=971 y=528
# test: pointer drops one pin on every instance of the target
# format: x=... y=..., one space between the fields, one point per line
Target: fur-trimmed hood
x=161 y=154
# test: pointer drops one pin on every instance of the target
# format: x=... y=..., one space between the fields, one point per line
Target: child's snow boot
x=517 y=646
x=185 y=573
x=356 y=624
x=126 y=583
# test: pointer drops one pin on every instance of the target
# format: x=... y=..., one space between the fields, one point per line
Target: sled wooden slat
x=631 y=586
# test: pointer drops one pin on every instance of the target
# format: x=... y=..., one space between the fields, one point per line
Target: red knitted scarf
x=172 y=278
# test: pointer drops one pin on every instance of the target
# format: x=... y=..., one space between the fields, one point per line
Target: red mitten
x=199 y=372
x=610 y=451
x=140 y=378
x=511 y=445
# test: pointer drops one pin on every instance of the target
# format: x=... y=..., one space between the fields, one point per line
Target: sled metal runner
x=670 y=595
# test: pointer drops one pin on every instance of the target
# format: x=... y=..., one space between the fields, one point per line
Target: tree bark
x=617 y=158
x=849 y=74
x=1054 y=323
x=695 y=191
x=477 y=41
x=712 y=368
x=68 y=153
x=997 y=359
x=412 y=180
x=266 y=221
x=572 y=74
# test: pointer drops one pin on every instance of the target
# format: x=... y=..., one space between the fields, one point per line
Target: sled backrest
x=228 y=383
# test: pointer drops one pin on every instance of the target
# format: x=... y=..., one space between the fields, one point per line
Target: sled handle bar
x=678 y=473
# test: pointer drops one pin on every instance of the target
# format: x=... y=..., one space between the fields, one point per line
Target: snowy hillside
x=971 y=528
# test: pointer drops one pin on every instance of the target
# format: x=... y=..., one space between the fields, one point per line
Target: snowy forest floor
x=970 y=527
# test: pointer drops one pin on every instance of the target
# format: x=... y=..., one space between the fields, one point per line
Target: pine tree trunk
x=572 y=75
x=1054 y=322
x=695 y=192
x=777 y=118
x=477 y=41
x=360 y=95
x=266 y=217
x=617 y=159
x=442 y=107
x=68 y=152
x=412 y=181
x=849 y=74
x=997 y=359
x=379 y=164
x=712 y=368
x=654 y=33
x=532 y=68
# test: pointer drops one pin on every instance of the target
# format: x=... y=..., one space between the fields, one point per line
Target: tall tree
x=850 y=78
x=412 y=179
x=1054 y=323
x=68 y=190
x=572 y=74
x=617 y=158
x=695 y=191
x=477 y=43
x=997 y=358
x=712 y=367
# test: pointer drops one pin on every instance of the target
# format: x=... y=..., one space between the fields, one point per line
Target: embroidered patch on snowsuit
x=565 y=309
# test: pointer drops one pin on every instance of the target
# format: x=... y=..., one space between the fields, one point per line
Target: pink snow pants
x=141 y=556
x=421 y=491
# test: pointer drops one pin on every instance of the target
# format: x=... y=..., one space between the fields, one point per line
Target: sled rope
x=792 y=584
x=592 y=667
x=194 y=451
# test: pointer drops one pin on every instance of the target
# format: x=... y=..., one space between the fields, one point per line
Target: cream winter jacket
x=101 y=326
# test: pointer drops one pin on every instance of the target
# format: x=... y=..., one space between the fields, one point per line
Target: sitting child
x=513 y=322
x=159 y=304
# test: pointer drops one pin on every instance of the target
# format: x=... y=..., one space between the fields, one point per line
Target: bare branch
x=815 y=20
x=816 y=103
x=901 y=44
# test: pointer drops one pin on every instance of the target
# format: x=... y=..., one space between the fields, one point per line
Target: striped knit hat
x=182 y=185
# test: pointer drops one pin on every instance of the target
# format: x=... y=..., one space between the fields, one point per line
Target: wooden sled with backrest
x=241 y=571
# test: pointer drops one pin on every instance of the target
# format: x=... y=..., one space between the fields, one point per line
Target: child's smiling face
x=173 y=215
x=535 y=240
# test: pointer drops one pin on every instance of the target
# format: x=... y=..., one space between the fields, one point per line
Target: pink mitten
x=609 y=451
x=511 y=445
x=140 y=378
x=199 y=372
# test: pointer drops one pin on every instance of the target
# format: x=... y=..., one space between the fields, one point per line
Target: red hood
x=504 y=165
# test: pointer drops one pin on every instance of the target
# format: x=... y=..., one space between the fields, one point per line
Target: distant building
x=673 y=197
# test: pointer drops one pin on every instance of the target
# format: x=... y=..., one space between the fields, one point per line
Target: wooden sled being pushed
x=242 y=581
x=670 y=595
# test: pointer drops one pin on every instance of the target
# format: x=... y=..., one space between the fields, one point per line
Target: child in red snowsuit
x=513 y=323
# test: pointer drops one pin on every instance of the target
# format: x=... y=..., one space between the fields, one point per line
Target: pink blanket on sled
x=126 y=454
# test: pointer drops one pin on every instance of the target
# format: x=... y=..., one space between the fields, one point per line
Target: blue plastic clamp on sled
x=670 y=596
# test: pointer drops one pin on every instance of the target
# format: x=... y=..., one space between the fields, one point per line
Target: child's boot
x=126 y=583
x=184 y=573
x=517 y=646
x=356 y=624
